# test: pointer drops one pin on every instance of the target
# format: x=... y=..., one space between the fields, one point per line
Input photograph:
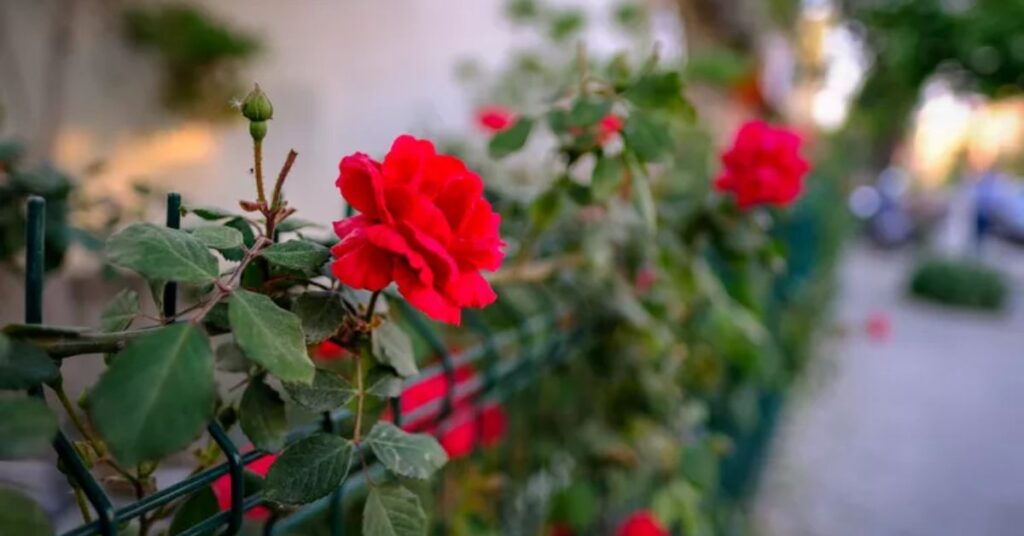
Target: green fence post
x=35 y=247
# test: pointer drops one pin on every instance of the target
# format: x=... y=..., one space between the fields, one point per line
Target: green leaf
x=219 y=236
x=657 y=90
x=392 y=510
x=383 y=383
x=270 y=336
x=21 y=515
x=607 y=178
x=309 y=469
x=248 y=238
x=545 y=209
x=211 y=213
x=321 y=315
x=405 y=454
x=645 y=202
x=648 y=138
x=231 y=359
x=27 y=426
x=161 y=253
x=262 y=416
x=511 y=139
x=120 y=312
x=157 y=395
x=24 y=365
x=392 y=347
x=301 y=255
x=327 y=392
x=586 y=112
x=294 y=224
x=200 y=506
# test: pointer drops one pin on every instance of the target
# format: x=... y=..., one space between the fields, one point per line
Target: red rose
x=763 y=166
x=423 y=224
x=641 y=523
x=222 y=487
x=560 y=529
x=494 y=118
x=329 y=350
x=609 y=126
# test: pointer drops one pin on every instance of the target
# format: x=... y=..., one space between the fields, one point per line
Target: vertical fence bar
x=235 y=468
x=174 y=222
x=35 y=259
x=337 y=518
x=231 y=453
x=490 y=361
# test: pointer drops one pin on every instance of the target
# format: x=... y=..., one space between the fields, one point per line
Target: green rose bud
x=258 y=130
x=256 y=106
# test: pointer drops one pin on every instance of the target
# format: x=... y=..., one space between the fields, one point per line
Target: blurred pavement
x=919 y=433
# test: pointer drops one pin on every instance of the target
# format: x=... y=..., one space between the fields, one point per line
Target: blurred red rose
x=644 y=280
x=878 y=326
x=764 y=166
x=560 y=529
x=609 y=126
x=423 y=224
x=222 y=487
x=641 y=523
x=328 y=350
x=465 y=426
x=494 y=118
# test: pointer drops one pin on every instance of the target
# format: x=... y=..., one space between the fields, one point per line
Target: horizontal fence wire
x=541 y=345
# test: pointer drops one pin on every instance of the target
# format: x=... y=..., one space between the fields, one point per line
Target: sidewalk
x=919 y=434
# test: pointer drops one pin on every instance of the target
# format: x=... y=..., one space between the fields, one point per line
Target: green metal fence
x=540 y=342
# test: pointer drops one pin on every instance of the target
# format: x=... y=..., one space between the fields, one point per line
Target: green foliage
x=511 y=139
x=391 y=347
x=23 y=365
x=26 y=428
x=218 y=237
x=270 y=336
x=157 y=395
x=327 y=392
x=199 y=506
x=321 y=315
x=162 y=254
x=309 y=469
x=262 y=416
x=960 y=283
x=22 y=516
x=300 y=255
x=405 y=454
x=121 y=311
x=392 y=510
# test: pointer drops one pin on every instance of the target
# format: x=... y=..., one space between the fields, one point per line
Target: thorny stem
x=69 y=408
x=275 y=200
x=257 y=155
x=225 y=288
x=581 y=62
x=96 y=444
x=82 y=506
x=371 y=307
x=360 y=394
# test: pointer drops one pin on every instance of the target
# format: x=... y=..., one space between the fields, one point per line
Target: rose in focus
x=423 y=224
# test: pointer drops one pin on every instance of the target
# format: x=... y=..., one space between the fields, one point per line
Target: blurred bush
x=200 y=55
x=959 y=283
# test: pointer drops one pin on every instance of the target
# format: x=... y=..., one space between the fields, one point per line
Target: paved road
x=919 y=434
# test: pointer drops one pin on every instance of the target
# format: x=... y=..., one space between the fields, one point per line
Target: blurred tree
x=977 y=46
